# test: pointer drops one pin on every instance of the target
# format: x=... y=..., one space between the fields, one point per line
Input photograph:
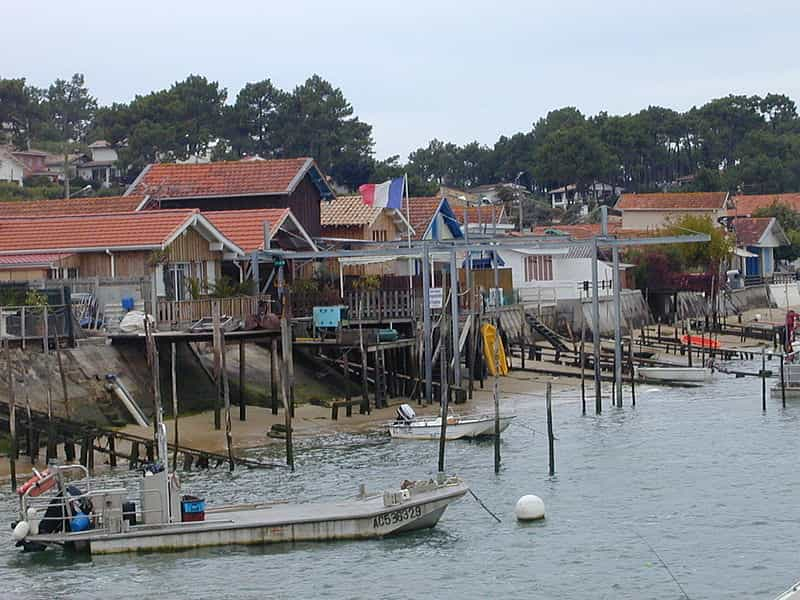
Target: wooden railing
x=189 y=311
x=380 y=305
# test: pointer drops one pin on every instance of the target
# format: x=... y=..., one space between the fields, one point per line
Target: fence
x=189 y=311
x=380 y=305
x=28 y=323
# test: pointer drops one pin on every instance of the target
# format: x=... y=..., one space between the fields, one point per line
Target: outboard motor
x=405 y=414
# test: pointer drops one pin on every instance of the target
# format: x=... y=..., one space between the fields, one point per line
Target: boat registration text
x=397 y=516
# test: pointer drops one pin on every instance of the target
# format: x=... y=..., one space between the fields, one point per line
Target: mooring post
x=12 y=419
x=598 y=408
x=112 y=451
x=550 y=448
x=286 y=347
x=426 y=323
x=62 y=374
x=273 y=375
x=218 y=350
x=454 y=316
x=689 y=344
x=173 y=361
x=496 y=358
x=226 y=395
x=242 y=373
x=443 y=395
x=783 y=383
x=630 y=368
x=763 y=375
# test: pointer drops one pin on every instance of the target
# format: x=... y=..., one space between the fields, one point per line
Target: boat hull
x=278 y=523
x=431 y=430
x=676 y=375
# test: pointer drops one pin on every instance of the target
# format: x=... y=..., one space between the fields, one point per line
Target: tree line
x=747 y=144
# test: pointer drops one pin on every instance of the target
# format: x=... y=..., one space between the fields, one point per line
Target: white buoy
x=529 y=508
x=21 y=530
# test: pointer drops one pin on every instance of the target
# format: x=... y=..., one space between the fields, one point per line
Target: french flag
x=388 y=194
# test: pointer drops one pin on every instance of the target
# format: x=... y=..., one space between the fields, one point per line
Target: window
x=64 y=273
x=175 y=284
x=379 y=235
x=538 y=268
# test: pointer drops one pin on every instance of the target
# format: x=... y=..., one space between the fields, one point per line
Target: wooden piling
x=133 y=459
x=273 y=375
x=226 y=395
x=69 y=450
x=633 y=374
x=763 y=375
x=173 y=361
x=346 y=370
x=12 y=425
x=550 y=445
x=217 y=344
x=783 y=384
x=112 y=452
x=286 y=350
x=583 y=363
x=62 y=374
x=444 y=397
x=242 y=373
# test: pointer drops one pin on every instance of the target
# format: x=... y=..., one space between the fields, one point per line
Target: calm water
x=703 y=476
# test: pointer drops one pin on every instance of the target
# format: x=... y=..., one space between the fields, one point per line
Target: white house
x=756 y=240
x=553 y=274
x=566 y=196
x=12 y=170
x=101 y=166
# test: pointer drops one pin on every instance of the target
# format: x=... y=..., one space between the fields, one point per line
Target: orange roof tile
x=346 y=211
x=750 y=230
x=225 y=178
x=147 y=229
x=245 y=228
x=673 y=201
x=11 y=261
x=70 y=207
x=747 y=205
x=421 y=213
x=480 y=214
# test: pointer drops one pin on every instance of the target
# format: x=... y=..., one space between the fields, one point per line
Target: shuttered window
x=538 y=268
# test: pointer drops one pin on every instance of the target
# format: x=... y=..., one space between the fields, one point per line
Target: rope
x=661 y=560
x=484 y=507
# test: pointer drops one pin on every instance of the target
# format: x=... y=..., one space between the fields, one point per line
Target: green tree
x=255 y=125
x=789 y=220
x=701 y=255
x=70 y=109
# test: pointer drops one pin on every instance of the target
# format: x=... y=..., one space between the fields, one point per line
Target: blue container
x=128 y=303
x=193 y=506
x=80 y=522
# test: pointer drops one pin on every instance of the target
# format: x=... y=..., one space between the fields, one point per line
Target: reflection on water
x=701 y=475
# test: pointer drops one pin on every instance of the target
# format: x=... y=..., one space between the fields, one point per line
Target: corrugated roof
x=123 y=230
x=245 y=228
x=673 y=201
x=72 y=207
x=344 y=211
x=221 y=179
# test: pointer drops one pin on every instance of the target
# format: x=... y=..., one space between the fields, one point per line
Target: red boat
x=699 y=341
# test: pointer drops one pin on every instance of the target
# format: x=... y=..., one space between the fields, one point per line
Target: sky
x=417 y=70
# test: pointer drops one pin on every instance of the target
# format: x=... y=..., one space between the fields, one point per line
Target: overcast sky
x=417 y=70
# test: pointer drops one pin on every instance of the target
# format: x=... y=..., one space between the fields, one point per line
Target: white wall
x=10 y=171
x=103 y=154
x=568 y=274
x=655 y=219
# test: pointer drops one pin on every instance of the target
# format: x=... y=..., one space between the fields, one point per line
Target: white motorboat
x=690 y=376
x=62 y=507
x=408 y=426
x=791 y=380
x=792 y=593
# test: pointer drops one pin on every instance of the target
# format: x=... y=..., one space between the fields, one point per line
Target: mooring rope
x=661 y=560
x=484 y=507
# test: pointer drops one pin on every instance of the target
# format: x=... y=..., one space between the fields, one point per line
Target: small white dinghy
x=408 y=426
x=792 y=593
x=690 y=376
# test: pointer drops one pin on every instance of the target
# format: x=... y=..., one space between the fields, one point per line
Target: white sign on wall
x=435 y=297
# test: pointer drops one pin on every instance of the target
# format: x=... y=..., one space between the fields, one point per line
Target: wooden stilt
x=174 y=378
x=12 y=425
x=242 y=373
x=227 y=404
x=112 y=452
x=218 y=350
x=273 y=375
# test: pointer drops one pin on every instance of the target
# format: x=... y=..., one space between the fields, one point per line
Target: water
x=702 y=475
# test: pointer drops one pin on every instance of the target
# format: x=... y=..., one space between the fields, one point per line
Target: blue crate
x=193 y=506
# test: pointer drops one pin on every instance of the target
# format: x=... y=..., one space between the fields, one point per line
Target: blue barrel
x=128 y=303
x=79 y=522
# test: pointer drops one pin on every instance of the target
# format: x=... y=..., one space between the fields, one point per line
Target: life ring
x=38 y=484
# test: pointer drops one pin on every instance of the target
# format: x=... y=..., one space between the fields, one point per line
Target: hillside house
x=756 y=240
x=34 y=163
x=12 y=170
x=654 y=211
x=294 y=183
x=569 y=195
x=168 y=247
x=100 y=165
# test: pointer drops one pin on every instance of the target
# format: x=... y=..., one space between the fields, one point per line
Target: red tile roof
x=750 y=230
x=421 y=214
x=245 y=228
x=673 y=201
x=747 y=205
x=226 y=178
x=346 y=211
x=480 y=214
x=72 y=207
x=30 y=260
x=148 y=229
